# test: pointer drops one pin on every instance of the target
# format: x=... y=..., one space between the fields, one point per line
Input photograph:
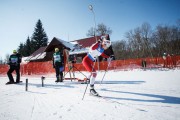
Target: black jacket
x=58 y=63
x=15 y=60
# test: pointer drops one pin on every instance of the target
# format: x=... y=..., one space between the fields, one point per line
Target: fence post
x=26 y=84
x=42 y=78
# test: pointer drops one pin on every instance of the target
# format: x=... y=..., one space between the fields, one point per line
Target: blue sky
x=71 y=19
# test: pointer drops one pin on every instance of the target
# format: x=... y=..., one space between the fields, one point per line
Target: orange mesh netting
x=38 y=68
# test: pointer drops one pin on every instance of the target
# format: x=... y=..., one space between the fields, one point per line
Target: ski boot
x=57 y=80
x=61 y=79
x=10 y=82
x=93 y=91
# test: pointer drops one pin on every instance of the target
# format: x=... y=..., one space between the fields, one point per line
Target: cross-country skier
x=58 y=62
x=14 y=63
x=95 y=50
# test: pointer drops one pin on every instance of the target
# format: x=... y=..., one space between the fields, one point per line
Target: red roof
x=87 y=42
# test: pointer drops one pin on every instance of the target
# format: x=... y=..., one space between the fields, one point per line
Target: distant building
x=46 y=53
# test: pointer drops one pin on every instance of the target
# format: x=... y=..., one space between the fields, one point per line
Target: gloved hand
x=99 y=41
x=110 y=58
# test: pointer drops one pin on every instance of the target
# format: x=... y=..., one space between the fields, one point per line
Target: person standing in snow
x=14 y=63
x=58 y=64
x=165 y=60
x=95 y=50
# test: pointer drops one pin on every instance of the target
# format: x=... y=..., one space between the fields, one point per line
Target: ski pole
x=87 y=83
x=106 y=69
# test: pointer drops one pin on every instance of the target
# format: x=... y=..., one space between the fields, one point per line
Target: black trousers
x=58 y=72
x=9 y=73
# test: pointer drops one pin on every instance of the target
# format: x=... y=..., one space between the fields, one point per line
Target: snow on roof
x=38 y=54
x=36 y=57
x=23 y=61
x=79 y=51
x=74 y=42
x=67 y=44
x=42 y=55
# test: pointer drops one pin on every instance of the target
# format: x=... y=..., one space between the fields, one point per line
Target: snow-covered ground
x=127 y=95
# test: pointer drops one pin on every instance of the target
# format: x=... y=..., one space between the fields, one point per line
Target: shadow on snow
x=120 y=82
x=49 y=85
x=164 y=98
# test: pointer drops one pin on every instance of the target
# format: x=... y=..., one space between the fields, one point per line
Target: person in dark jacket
x=14 y=63
x=58 y=64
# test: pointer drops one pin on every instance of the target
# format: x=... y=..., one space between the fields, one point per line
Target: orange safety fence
x=39 y=68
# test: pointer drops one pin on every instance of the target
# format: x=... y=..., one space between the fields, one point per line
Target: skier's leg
x=94 y=74
x=88 y=64
x=57 y=73
x=17 y=75
x=9 y=74
x=92 y=82
x=61 y=76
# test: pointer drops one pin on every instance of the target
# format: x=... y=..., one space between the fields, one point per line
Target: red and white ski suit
x=94 y=51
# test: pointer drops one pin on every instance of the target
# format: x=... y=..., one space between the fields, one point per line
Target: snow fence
x=40 y=68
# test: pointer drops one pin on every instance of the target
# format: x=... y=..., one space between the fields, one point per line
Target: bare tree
x=100 y=30
x=1 y=61
x=90 y=32
x=103 y=29
x=139 y=41
x=120 y=50
x=146 y=33
x=6 y=60
x=145 y=42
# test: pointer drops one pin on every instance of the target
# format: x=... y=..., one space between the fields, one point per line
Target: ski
x=95 y=95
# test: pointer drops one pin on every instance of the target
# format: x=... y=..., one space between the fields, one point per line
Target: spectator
x=14 y=63
x=58 y=64
x=165 y=60
x=143 y=63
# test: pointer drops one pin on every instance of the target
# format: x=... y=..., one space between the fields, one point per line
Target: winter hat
x=14 y=51
x=56 y=49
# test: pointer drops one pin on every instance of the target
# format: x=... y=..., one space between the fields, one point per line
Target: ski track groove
x=32 y=109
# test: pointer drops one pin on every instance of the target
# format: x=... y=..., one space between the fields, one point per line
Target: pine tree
x=39 y=37
x=21 y=49
x=28 y=47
